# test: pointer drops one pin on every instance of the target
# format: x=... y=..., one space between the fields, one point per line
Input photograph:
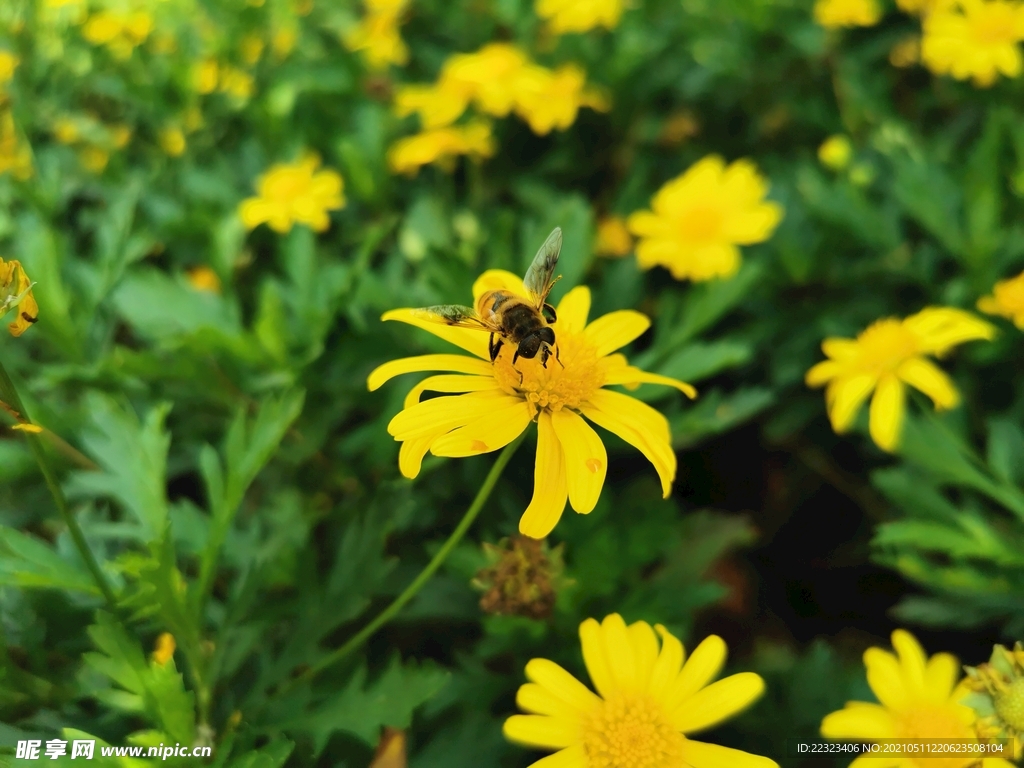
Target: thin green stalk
x=424 y=576
x=10 y=396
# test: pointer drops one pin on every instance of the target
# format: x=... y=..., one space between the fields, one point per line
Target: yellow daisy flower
x=1007 y=300
x=918 y=699
x=172 y=141
x=16 y=292
x=438 y=105
x=500 y=402
x=835 y=152
x=974 y=39
x=699 y=218
x=441 y=146
x=549 y=99
x=377 y=36
x=847 y=13
x=647 y=702
x=295 y=193
x=883 y=359
x=613 y=238
x=579 y=15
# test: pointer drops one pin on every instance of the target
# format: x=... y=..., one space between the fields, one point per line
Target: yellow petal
x=941 y=328
x=595 y=657
x=887 y=408
x=538 y=700
x=631 y=375
x=645 y=650
x=541 y=731
x=859 y=720
x=446 y=413
x=697 y=754
x=666 y=668
x=488 y=432
x=586 y=461
x=449 y=384
x=879 y=761
x=704 y=664
x=573 y=309
x=717 y=702
x=883 y=673
x=940 y=676
x=550 y=488
x=459 y=363
x=639 y=425
x=497 y=280
x=615 y=330
x=822 y=373
x=571 y=757
x=844 y=396
x=839 y=349
x=33 y=429
x=562 y=684
x=912 y=659
x=996 y=762
x=410 y=455
x=471 y=340
x=619 y=652
x=927 y=377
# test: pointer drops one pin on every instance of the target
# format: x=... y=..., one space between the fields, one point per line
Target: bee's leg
x=493 y=348
x=545 y=353
x=559 y=359
x=514 y=358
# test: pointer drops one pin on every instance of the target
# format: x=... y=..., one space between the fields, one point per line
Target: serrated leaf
x=273 y=755
x=29 y=563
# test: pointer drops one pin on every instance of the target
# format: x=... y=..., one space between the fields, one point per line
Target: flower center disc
x=631 y=732
x=885 y=345
x=566 y=381
x=701 y=224
x=935 y=724
x=1010 y=704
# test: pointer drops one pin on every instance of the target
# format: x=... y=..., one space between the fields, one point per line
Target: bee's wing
x=538 y=280
x=455 y=314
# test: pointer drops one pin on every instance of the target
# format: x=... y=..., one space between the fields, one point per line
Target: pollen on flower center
x=1010 y=704
x=566 y=382
x=701 y=224
x=886 y=344
x=935 y=724
x=631 y=732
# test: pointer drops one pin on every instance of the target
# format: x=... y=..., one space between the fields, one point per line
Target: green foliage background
x=237 y=481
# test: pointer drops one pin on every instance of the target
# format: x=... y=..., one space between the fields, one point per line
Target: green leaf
x=29 y=563
x=705 y=303
x=933 y=199
x=1006 y=450
x=714 y=413
x=362 y=710
x=273 y=755
x=573 y=214
x=133 y=458
x=914 y=493
x=698 y=361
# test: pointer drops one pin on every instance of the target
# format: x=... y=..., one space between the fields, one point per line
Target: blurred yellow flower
x=15 y=156
x=923 y=7
x=503 y=400
x=1007 y=300
x=283 y=42
x=835 y=152
x=94 y=158
x=16 y=292
x=66 y=130
x=883 y=359
x=295 y=193
x=205 y=76
x=548 y=99
x=172 y=141
x=974 y=39
x=204 y=279
x=441 y=146
x=490 y=76
x=613 y=238
x=646 y=700
x=8 y=63
x=906 y=53
x=438 y=105
x=579 y=15
x=918 y=699
x=377 y=36
x=236 y=82
x=847 y=13
x=119 y=32
x=699 y=218
x=164 y=648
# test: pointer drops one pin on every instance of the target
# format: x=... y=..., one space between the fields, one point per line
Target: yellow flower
x=886 y=357
x=1007 y=300
x=490 y=76
x=16 y=292
x=283 y=42
x=376 y=35
x=549 y=99
x=700 y=217
x=438 y=105
x=918 y=699
x=66 y=131
x=503 y=400
x=441 y=146
x=906 y=52
x=922 y=7
x=205 y=76
x=974 y=39
x=172 y=141
x=613 y=239
x=647 y=700
x=835 y=152
x=8 y=63
x=236 y=82
x=579 y=15
x=94 y=159
x=847 y=13
x=120 y=32
x=15 y=156
x=164 y=649
x=204 y=279
x=295 y=193
x=251 y=48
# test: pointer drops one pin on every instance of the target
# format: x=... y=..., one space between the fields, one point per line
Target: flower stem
x=424 y=576
x=10 y=396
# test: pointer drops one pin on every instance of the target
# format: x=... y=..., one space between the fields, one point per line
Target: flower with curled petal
x=490 y=404
x=974 y=39
x=647 y=702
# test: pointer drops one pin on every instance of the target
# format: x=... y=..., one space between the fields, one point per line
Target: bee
x=525 y=323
